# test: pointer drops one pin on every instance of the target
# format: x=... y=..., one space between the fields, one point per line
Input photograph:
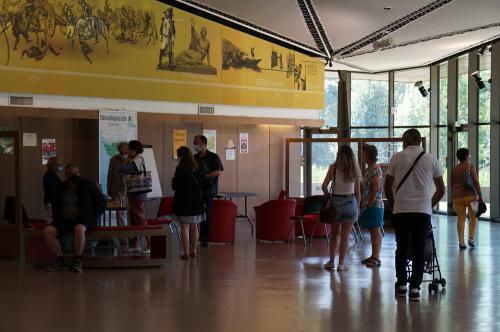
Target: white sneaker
x=342 y=267
x=134 y=249
x=146 y=252
x=329 y=266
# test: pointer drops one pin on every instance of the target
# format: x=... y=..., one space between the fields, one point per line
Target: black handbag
x=468 y=182
x=481 y=209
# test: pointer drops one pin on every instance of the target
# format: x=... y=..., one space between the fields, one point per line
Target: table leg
x=246 y=216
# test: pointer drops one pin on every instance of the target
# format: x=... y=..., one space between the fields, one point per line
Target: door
x=10 y=196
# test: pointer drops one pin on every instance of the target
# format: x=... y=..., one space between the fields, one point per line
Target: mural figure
x=69 y=29
x=90 y=27
x=276 y=59
x=38 y=54
x=290 y=64
x=199 y=48
x=234 y=57
x=299 y=82
x=167 y=38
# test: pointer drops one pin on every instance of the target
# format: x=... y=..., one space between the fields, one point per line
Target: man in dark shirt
x=76 y=209
x=52 y=183
x=209 y=168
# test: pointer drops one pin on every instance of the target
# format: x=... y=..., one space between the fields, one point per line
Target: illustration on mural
x=234 y=57
x=195 y=59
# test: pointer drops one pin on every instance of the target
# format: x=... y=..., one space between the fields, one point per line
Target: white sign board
x=29 y=139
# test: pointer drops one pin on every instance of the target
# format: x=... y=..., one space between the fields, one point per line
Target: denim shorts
x=346 y=208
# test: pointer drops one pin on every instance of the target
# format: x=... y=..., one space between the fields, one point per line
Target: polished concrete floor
x=260 y=287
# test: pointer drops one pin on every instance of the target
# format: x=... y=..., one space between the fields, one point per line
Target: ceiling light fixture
x=479 y=81
x=423 y=91
x=387 y=8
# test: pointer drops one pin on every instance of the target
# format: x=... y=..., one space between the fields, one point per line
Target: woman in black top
x=188 y=201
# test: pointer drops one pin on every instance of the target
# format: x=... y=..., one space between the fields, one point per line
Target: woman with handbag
x=138 y=186
x=188 y=201
x=345 y=176
x=372 y=204
x=466 y=190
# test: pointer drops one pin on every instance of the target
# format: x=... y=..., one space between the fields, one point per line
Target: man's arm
x=439 y=183
x=389 y=182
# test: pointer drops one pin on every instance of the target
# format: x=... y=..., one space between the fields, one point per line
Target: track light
x=330 y=64
x=484 y=49
x=479 y=81
x=422 y=89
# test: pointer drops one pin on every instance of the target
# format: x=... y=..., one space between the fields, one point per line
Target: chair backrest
x=166 y=206
x=283 y=194
x=313 y=204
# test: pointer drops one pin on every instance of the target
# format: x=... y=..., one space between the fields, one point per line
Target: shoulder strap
x=410 y=170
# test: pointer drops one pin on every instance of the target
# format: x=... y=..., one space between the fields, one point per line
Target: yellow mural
x=143 y=49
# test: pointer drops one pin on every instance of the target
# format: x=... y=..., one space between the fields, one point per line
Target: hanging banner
x=180 y=139
x=211 y=136
x=48 y=149
x=115 y=127
x=243 y=142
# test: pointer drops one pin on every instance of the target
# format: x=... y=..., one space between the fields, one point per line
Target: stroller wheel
x=443 y=282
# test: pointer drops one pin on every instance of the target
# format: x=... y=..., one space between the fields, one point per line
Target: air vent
x=206 y=110
x=20 y=101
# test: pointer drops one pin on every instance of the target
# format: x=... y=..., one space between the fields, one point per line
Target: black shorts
x=65 y=226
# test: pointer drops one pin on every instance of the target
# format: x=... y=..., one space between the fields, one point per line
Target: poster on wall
x=6 y=143
x=48 y=149
x=29 y=139
x=243 y=142
x=115 y=127
x=230 y=154
x=180 y=139
x=211 y=136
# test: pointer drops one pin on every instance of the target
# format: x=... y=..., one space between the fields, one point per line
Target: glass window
x=463 y=90
x=412 y=108
x=443 y=94
x=485 y=94
x=322 y=155
x=484 y=159
x=443 y=157
x=383 y=148
x=369 y=100
x=329 y=114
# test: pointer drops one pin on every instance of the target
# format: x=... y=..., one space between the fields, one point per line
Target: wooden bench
x=37 y=252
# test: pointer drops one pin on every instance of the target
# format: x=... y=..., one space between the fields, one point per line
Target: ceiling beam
x=315 y=27
x=396 y=25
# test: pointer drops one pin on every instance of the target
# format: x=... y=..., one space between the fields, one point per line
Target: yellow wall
x=130 y=71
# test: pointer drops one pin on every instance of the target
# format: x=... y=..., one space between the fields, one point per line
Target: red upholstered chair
x=223 y=226
x=308 y=215
x=273 y=220
x=165 y=217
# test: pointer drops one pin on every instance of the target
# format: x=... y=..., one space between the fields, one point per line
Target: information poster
x=211 y=136
x=48 y=149
x=230 y=154
x=29 y=139
x=243 y=142
x=115 y=127
x=179 y=139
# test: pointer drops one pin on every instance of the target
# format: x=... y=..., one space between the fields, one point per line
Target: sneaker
x=329 y=266
x=77 y=266
x=146 y=252
x=472 y=244
x=57 y=266
x=342 y=267
x=414 y=294
x=401 y=291
x=366 y=260
x=374 y=263
x=462 y=245
x=133 y=249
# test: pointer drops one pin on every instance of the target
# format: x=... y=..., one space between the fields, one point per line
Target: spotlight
x=422 y=89
x=484 y=49
x=330 y=63
x=479 y=81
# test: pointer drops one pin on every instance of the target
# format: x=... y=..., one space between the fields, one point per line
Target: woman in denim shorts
x=345 y=176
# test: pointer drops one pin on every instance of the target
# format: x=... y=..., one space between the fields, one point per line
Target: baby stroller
x=431 y=264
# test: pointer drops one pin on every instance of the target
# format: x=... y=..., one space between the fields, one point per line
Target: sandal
x=185 y=257
x=374 y=262
x=366 y=260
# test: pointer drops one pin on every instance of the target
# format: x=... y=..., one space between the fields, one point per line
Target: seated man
x=76 y=209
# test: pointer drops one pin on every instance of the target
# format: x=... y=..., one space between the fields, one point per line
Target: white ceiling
x=346 y=22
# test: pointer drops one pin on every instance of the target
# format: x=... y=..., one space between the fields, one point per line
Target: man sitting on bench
x=77 y=209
